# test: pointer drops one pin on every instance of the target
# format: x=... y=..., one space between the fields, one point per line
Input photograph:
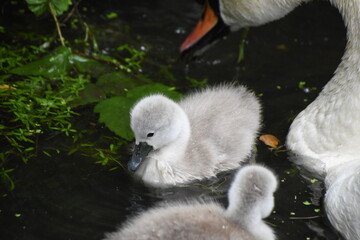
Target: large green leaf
x=115 y=111
x=108 y=85
x=38 y=7
x=115 y=83
x=53 y=65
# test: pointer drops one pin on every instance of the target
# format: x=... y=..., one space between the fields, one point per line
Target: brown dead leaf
x=282 y=47
x=270 y=140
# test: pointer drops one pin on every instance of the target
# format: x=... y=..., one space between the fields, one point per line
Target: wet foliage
x=47 y=82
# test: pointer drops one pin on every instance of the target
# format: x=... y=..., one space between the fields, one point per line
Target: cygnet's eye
x=150 y=134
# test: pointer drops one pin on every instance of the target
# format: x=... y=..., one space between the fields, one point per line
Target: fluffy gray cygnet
x=250 y=200
x=209 y=131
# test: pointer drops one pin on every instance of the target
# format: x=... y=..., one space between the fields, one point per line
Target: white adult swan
x=207 y=132
x=250 y=200
x=327 y=133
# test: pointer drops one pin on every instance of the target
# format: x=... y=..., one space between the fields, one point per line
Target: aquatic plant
x=34 y=100
x=43 y=86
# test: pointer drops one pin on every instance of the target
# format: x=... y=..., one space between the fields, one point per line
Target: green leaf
x=53 y=65
x=111 y=15
x=86 y=65
x=115 y=83
x=60 y=6
x=108 y=85
x=197 y=83
x=114 y=112
x=46 y=153
x=91 y=94
x=38 y=7
x=302 y=84
x=314 y=180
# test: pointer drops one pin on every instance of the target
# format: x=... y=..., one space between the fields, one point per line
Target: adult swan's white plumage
x=207 y=132
x=328 y=130
x=327 y=133
x=342 y=199
x=250 y=200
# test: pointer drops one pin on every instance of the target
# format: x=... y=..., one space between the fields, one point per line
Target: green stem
x=57 y=24
x=242 y=45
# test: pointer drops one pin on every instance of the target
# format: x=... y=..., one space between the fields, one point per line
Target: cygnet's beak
x=209 y=28
x=140 y=152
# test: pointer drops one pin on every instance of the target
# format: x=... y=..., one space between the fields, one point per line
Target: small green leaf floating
x=114 y=112
x=314 y=180
x=111 y=15
x=307 y=203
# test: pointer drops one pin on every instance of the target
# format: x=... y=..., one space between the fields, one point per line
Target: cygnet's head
x=156 y=122
x=252 y=192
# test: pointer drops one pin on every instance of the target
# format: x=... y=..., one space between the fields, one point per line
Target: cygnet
x=209 y=131
x=250 y=200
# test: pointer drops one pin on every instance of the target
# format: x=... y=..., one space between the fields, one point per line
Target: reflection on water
x=69 y=197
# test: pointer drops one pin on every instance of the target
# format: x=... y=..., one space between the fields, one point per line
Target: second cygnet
x=250 y=200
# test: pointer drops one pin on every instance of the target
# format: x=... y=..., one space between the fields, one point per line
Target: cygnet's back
x=224 y=121
x=210 y=221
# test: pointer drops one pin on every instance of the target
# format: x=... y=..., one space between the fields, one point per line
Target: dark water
x=69 y=197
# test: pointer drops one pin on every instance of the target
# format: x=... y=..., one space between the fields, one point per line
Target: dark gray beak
x=140 y=152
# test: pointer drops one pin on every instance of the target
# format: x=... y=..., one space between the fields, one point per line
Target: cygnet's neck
x=174 y=152
x=164 y=165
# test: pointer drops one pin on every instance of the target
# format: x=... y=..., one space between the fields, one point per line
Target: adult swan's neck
x=328 y=130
